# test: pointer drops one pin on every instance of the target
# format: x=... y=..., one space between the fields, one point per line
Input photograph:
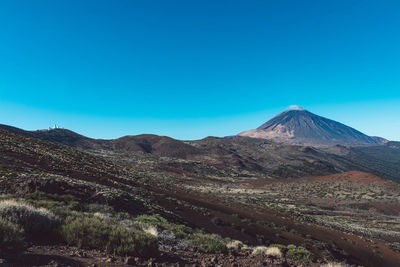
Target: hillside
x=223 y=157
x=69 y=181
x=229 y=157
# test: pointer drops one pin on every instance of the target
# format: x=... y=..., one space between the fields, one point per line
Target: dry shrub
x=273 y=252
x=260 y=250
x=151 y=230
x=235 y=244
x=36 y=222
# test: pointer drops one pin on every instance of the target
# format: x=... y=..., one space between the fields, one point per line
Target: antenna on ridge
x=54 y=127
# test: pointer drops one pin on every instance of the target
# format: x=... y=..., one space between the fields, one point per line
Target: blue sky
x=190 y=69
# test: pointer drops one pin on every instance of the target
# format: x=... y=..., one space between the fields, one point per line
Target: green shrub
x=37 y=223
x=120 y=241
x=11 y=239
x=180 y=231
x=59 y=204
x=93 y=233
x=145 y=245
x=208 y=243
x=85 y=232
x=299 y=253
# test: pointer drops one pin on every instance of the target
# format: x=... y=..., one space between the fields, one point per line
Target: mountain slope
x=301 y=127
x=209 y=157
x=145 y=143
x=51 y=174
x=228 y=157
x=382 y=160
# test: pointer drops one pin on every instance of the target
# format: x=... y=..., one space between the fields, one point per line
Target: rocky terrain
x=211 y=202
x=354 y=202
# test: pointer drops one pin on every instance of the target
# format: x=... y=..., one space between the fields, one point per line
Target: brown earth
x=253 y=225
x=53 y=256
x=356 y=177
x=258 y=222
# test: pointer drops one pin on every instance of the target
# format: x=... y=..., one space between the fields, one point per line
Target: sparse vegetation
x=97 y=197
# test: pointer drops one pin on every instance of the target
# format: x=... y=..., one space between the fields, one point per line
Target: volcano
x=300 y=127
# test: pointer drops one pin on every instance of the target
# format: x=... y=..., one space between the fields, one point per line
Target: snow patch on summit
x=295 y=107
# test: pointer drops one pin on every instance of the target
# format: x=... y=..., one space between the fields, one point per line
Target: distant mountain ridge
x=298 y=126
x=235 y=156
x=145 y=143
x=210 y=156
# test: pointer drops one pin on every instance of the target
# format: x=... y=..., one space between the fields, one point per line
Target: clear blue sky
x=190 y=69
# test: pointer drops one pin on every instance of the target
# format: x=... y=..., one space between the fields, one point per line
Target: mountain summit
x=301 y=127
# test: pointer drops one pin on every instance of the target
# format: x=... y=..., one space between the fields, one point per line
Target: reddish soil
x=356 y=177
x=246 y=223
x=352 y=177
x=384 y=208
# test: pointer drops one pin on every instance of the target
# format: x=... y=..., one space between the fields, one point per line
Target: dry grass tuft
x=151 y=230
x=273 y=252
x=235 y=244
x=260 y=250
